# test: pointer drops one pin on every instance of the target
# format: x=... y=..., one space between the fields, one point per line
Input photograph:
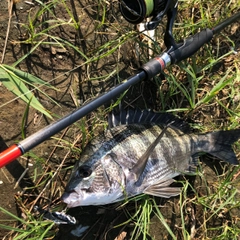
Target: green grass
x=101 y=48
x=33 y=228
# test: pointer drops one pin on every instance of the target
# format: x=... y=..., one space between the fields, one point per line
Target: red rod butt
x=9 y=155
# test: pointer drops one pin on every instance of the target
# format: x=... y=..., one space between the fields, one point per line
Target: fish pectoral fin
x=162 y=189
x=140 y=165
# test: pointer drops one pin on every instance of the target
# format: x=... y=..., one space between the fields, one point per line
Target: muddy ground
x=49 y=63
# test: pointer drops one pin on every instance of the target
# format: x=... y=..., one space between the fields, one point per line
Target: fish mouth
x=70 y=198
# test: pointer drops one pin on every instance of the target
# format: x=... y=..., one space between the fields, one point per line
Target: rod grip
x=9 y=155
x=191 y=45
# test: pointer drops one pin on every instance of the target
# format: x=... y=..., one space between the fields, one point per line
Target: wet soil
x=60 y=66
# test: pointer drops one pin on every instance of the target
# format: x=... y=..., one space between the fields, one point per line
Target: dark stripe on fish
x=119 y=134
x=128 y=131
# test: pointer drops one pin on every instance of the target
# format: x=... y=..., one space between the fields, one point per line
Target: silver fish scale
x=170 y=157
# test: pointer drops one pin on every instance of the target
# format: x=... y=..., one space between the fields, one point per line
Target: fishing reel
x=135 y=11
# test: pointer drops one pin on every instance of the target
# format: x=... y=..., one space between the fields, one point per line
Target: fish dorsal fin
x=162 y=189
x=140 y=165
x=137 y=116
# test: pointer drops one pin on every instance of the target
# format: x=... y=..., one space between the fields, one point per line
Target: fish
x=142 y=152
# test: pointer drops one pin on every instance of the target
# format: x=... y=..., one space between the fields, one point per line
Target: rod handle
x=191 y=45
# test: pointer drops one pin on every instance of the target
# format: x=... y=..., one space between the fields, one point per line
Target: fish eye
x=84 y=171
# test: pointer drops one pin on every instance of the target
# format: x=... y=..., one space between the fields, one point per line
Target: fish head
x=100 y=180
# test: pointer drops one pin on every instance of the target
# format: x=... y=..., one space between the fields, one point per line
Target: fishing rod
x=175 y=53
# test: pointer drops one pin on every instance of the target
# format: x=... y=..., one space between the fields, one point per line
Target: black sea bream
x=142 y=152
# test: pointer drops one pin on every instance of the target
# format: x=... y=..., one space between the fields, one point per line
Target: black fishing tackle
x=135 y=11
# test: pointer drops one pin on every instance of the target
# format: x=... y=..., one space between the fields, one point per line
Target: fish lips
x=71 y=199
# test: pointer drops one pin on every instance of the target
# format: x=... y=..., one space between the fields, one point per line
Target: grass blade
x=14 y=84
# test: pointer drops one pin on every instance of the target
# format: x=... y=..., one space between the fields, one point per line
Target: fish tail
x=219 y=144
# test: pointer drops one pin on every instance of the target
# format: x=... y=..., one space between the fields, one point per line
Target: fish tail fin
x=219 y=144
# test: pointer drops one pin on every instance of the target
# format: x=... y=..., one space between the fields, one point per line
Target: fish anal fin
x=162 y=189
x=193 y=164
